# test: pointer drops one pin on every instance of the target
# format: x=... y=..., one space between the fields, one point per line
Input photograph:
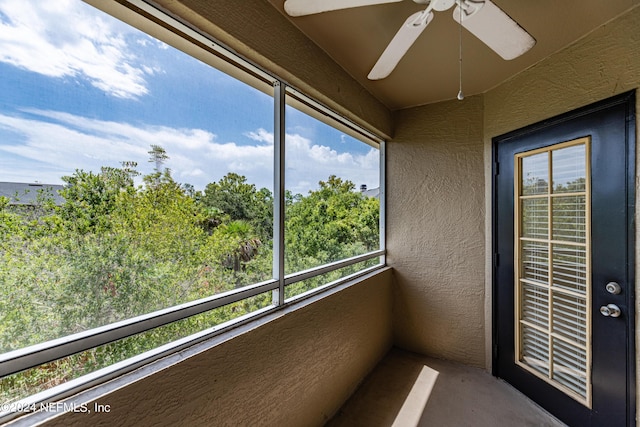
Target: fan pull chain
x=460 y=94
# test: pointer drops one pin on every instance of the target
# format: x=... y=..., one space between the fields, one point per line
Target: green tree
x=241 y=201
x=234 y=250
x=331 y=223
x=90 y=198
x=114 y=250
x=158 y=157
x=145 y=261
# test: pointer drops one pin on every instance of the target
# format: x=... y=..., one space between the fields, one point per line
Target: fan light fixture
x=482 y=18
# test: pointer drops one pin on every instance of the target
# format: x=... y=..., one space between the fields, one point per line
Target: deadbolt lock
x=610 y=310
x=613 y=288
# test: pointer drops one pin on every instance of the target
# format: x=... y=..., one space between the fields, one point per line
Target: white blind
x=552 y=264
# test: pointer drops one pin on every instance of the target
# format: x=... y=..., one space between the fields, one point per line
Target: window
x=553 y=253
x=332 y=183
x=143 y=206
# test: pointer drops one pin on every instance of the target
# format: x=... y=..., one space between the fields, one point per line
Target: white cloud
x=64 y=142
x=261 y=135
x=307 y=163
x=69 y=39
x=66 y=38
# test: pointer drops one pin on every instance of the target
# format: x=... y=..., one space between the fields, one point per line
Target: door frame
x=628 y=100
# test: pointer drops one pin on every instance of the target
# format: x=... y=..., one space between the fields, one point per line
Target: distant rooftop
x=374 y=192
x=27 y=194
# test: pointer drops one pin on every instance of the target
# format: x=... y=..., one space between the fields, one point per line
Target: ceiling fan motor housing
x=438 y=5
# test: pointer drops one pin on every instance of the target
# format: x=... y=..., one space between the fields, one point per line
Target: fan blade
x=494 y=28
x=402 y=41
x=309 y=7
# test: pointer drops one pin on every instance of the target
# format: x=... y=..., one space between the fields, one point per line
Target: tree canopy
x=115 y=249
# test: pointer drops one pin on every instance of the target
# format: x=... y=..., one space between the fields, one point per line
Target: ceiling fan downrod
x=437 y=5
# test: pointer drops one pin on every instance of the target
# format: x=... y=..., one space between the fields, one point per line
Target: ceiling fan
x=482 y=18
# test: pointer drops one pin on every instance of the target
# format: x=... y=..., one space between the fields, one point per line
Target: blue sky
x=80 y=90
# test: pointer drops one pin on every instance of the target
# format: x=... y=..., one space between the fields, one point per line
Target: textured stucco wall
x=439 y=212
x=435 y=229
x=294 y=371
x=604 y=63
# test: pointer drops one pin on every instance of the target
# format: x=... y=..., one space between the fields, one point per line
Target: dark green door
x=564 y=263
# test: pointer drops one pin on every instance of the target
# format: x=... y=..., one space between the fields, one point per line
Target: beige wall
x=435 y=230
x=439 y=213
x=605 y=63
x=294 y=371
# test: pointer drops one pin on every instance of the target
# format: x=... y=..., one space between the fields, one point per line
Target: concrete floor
x=409 y=390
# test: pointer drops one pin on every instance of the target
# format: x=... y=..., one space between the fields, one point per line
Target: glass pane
x=333 y=185
x=535 y=218
x=558 y=312
x=31 y=381
x=569 y=218
x=569 y=169
x=570 y=366
x=535 y=305
x=535 y=349
x=153 y=173
x=535 y=174
x=570 y=268
x=570 y=317
x=535 y=262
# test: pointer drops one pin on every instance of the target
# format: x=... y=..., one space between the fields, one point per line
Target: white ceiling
x=356 y=37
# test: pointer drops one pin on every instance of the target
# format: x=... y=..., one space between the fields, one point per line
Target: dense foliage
x=114 y=250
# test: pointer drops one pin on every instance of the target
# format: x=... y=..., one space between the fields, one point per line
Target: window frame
x=147 y=15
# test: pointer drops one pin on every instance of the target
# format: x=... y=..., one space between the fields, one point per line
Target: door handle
x=610 y=310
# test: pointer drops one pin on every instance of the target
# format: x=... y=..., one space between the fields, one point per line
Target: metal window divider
x=279 y=136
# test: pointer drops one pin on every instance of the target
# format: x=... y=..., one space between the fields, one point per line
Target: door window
x=552 y=263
